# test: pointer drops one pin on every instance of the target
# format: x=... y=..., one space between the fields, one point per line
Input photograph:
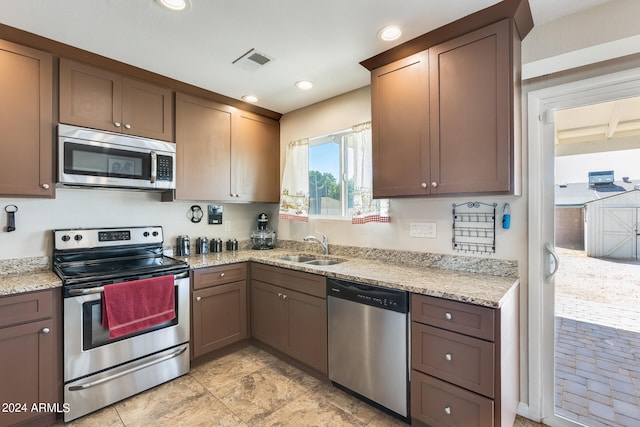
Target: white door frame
x=541 y=152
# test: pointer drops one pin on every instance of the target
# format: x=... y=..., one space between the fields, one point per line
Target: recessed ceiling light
x=389 y=33
x=304 y=84
x=250 y=98
x=175 y=5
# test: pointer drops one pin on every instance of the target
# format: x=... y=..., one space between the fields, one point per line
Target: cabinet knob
x=45 y=330
x=284 y=296
x=447 y=410
x=434 y=184
x=221 y=274
x=424 y=185
x=279 y=294
x=127 y=126
x=116 y=124
x=448 y=316
x=448 y=357
x=45 y=186
x=198 y=298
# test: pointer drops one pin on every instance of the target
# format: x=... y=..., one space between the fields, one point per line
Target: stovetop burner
x=114 y=254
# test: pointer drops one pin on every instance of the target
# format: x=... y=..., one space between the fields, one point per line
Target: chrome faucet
x=324 y=242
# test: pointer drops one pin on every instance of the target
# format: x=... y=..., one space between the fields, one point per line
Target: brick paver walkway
x=597 y=372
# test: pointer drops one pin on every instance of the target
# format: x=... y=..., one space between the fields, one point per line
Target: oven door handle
x=85 y=386
x=78 y=292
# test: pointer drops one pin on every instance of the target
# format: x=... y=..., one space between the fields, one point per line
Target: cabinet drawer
x=467 y=319
x=25 y=308
x=438 y=403
x=307 y=283
x=214 y=276
x=459 y=359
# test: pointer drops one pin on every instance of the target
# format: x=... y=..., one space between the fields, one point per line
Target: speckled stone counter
x=481 y=281
x=410 y=274
x=26 y=275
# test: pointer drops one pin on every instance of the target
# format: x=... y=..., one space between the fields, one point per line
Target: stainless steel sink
x=311 y=260
x=324 y=262
x=297 y=258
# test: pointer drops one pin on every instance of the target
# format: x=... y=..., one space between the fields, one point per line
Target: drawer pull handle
x=221 y=274
x=447 y=410
x=448 y=357
x=448 y=316
x=45 y=330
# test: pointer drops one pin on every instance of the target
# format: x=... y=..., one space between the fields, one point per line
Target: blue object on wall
x=506 y=216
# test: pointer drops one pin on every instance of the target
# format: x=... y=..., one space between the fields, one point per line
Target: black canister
x=216 y=245
x=232 y=245
x=202 y=245
x=184 y=246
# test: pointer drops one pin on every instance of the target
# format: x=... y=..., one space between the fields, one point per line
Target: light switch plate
x=425 y=230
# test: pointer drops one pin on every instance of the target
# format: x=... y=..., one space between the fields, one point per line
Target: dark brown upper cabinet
x=26 y=120
x=444 y=118
x=99 y=99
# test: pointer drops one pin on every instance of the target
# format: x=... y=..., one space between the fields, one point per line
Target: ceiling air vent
x=253 y=60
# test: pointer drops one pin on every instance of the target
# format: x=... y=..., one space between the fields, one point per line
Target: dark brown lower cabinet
x=219 y=308
x=289 y=313
x=465 y=362
x=30 y=372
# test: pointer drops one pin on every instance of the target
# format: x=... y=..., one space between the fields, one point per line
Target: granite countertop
x=480 y=289
x=439 y=276
x=38 y=280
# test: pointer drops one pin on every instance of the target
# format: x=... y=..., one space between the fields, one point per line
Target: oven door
x=87 y=347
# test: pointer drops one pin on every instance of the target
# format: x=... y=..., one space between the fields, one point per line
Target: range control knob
x=66 y=238
x=77 y=237
x=155 y=234
x=145 y=234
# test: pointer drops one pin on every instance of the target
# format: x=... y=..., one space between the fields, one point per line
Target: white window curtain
x=365 y=208
x=294 y=196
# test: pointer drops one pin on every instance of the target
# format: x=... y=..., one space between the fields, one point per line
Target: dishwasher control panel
x=376 y=296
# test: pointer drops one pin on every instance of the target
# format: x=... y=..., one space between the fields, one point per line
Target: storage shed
x=613 y=226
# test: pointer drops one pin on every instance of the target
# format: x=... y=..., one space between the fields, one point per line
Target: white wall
x=112 y=208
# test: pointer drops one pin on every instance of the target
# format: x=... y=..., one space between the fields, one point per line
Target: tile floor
x=247 y=388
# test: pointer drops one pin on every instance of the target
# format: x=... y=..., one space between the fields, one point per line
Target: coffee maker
x=263 y=237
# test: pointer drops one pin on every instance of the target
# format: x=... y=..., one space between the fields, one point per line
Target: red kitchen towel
x=130 y=307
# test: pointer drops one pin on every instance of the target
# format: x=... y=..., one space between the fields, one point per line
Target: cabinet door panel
x=26 y=137
x=458 y=359
x=471 y=112
x=219 y=316
x=90 y=97
x=400 y=120
x=147 y=110
x=438 y=403
x=27 y=370
x=203 y=149
x=255 y=158
x=307 y=335
x=268 y=314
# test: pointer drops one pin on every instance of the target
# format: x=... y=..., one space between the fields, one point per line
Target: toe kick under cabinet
x=465 y=362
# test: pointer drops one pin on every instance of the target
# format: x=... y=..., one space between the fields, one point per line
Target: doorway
x=543 y=259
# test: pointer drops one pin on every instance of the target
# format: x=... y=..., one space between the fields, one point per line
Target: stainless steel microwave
x=88 y=157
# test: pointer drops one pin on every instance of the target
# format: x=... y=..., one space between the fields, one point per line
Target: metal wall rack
x=474 y=227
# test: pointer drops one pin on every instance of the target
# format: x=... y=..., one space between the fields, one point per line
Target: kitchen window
x=331 y=169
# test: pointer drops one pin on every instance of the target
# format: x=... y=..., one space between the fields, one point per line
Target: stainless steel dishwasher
x=368 y=342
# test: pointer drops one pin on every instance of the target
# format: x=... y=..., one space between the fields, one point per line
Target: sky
x=575 y=168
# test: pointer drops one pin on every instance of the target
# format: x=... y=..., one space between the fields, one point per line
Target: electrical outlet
x=227 y=226
x=425 y=230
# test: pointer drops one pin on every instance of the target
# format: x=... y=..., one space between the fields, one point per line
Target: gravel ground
x=598 y=290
